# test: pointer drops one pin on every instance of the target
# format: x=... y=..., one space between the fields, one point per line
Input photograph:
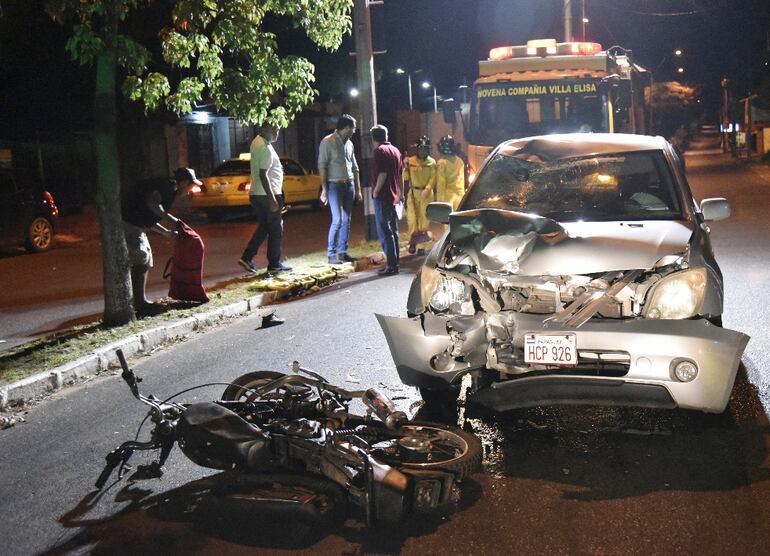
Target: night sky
x=444 y=39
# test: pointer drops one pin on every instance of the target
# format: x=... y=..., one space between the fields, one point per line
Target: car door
x=296 y=185
x=11 y=214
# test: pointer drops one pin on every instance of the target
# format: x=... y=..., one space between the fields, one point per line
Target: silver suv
x=578 y=269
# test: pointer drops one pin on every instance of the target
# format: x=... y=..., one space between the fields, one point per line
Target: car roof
x=569 y=145
x=239 y=159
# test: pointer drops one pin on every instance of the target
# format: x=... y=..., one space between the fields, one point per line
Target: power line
x=609 y=6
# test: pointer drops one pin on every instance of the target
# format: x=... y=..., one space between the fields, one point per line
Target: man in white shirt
x=266 y=197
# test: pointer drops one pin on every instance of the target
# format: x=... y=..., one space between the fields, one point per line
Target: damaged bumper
x=621 y=362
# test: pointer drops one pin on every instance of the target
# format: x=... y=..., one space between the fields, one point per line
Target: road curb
x=104 y=358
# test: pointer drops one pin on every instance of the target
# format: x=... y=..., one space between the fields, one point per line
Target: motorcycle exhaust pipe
x=383 y=408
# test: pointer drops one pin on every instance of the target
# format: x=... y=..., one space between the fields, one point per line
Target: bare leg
x=138 y=283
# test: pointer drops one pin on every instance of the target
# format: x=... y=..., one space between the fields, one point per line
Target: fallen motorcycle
x=268 y=422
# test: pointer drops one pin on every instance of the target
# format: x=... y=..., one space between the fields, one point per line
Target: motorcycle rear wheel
x=450 y=449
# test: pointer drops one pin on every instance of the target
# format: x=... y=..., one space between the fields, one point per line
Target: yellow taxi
x=228 y=187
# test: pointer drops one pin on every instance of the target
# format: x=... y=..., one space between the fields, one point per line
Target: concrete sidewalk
x=44 y=383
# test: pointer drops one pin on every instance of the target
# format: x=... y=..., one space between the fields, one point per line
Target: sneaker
x=411 y=249
x=335 y=260
x=150 y=309
x=347 y=258
x=279 y=268
x=248 y=266
x=388 y=271
x=271 y=320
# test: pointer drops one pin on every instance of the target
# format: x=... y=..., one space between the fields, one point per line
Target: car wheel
x=39 y=235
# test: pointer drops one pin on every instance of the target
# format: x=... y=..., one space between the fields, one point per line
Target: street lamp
x=426 y=85
x=401 y=71
x=680 y=70
x=354 y=92
x=678 y=52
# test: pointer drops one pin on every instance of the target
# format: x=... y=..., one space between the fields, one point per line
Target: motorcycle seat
x=215 y=437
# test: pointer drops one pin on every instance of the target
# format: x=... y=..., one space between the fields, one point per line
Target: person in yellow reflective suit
x=420 y=174
x=450 y=173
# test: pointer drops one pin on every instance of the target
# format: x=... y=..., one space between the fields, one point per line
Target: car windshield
x=233 y=168
x=623 y=186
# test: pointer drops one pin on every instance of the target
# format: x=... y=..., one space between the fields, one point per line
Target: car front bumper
x=653 y=348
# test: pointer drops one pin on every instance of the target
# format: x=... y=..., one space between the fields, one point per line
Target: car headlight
x=678 y=295
x=447 y=292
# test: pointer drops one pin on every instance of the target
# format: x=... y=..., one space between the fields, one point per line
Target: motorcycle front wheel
x=242 y=389
x=431 y=446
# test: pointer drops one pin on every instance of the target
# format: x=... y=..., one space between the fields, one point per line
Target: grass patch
x=47 y=353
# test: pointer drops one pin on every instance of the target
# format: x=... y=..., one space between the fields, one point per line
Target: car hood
x=532 y=245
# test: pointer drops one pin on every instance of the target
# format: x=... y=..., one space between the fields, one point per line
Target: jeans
x=270 y=226
x=387 y=229
x=340 y=197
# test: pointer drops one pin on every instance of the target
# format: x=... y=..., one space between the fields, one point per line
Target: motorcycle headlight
x=678 y=295
x=447 y=292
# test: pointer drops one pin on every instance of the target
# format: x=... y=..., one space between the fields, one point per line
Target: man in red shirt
x=387 y=192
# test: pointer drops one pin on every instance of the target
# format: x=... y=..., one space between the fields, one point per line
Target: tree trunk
x=118 y=303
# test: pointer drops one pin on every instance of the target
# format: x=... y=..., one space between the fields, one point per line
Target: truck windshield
x=624 y=186
x=511 y=110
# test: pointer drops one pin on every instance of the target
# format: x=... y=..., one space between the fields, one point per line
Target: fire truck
x=548 y=87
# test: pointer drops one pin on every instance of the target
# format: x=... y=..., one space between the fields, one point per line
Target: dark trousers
x=270 y=226
x=387 y=229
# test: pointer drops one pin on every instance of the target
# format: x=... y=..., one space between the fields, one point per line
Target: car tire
x=40 y=235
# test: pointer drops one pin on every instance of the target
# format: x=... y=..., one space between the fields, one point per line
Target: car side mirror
x=438 y=212
x=717 y=208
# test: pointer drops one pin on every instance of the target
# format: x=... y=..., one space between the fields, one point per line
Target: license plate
x=220 y=187
x=550 y=349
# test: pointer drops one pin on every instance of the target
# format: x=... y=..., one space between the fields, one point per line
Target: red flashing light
x=245 y=186
x=545 y=48
x=501 y=53
x=585 y=48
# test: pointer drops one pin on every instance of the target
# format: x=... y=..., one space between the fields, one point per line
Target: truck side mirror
x=449 y=107
x=438 y=212
x=717 y=208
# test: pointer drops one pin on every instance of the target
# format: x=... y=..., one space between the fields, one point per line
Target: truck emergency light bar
x=544 y=48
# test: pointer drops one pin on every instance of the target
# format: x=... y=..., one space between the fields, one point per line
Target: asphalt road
x=44 y=293
x=555 y=480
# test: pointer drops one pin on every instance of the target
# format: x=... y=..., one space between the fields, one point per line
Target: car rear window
x=233 y=168
x=623 y=186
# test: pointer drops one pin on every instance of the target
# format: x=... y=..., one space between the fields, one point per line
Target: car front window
x=622 y=186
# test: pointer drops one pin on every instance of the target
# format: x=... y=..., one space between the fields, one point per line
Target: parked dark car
x=27 y=212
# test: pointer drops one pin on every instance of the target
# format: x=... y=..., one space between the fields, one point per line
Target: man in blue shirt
x=338 y=170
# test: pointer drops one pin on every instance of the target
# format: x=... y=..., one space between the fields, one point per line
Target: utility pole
x=367 y=99
x=567 y=20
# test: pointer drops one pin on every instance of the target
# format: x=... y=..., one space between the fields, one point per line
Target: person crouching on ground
x=144 y=206
x=338 y=170
x=266 y=198
x=387 y=192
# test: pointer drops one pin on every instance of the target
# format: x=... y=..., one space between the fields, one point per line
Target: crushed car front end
x=538 y=311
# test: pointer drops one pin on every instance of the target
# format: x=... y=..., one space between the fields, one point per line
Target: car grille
x=597 y=363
